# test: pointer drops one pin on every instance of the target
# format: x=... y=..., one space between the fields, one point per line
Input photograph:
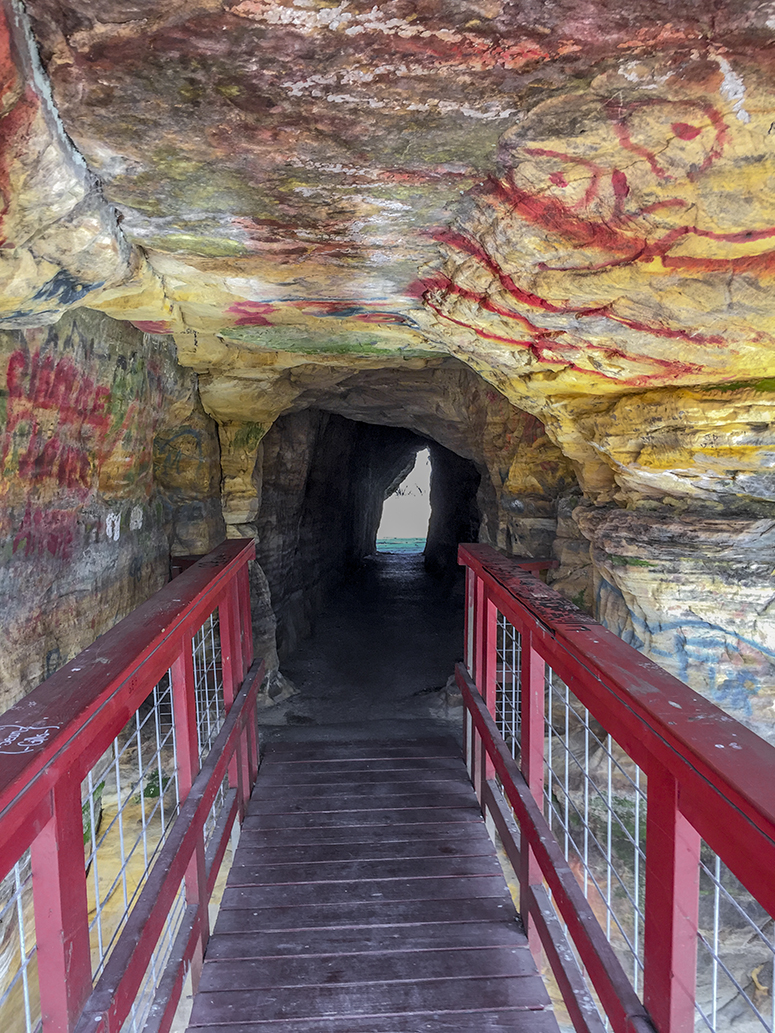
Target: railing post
x=62 y=911
x=231 y=644
x=672 y=905
x=489 y=675
x=532 y=734
x=470 y=652
x=243 y=581
x=485 y=632
x=232 y=664
x=187 y=746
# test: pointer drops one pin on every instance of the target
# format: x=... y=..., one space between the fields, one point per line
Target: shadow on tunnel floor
x=380 y=660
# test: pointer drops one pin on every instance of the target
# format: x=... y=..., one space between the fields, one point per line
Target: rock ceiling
x=359 y=207
x=576 y=199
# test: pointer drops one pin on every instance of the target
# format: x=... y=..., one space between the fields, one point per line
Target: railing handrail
x=109 y=1003
x=86 y=688
x=653 y=715
x=611 y=984
x=189 y=663
x=707 y=776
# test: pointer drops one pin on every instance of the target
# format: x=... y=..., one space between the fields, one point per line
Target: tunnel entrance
x=406 y=511
x=358 y=630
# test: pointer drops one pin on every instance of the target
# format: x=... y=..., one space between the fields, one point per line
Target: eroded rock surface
x=91 y=407
x=541 y=236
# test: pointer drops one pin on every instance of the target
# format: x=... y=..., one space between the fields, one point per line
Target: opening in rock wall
x=406 y=511
x=324 y=480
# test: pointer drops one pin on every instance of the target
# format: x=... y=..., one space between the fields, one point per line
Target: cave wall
x=90 y=407
x=541 y=235
x=322 y=482
x=454 y=510
x=523 y=471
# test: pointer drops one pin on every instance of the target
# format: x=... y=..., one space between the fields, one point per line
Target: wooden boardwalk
x=366 y=897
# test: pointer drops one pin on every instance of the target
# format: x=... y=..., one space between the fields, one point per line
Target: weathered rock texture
x=524 y=472
x=540 y=235
x=90 y=406
x=323 y=479
x=454 y=512
x=659 y=578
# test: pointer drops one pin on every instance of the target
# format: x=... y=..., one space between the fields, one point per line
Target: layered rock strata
x=93 y=409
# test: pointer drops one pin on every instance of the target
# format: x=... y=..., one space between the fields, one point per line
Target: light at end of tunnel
x=405 y=513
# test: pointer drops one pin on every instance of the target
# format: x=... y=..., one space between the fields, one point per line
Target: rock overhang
x=573 y=202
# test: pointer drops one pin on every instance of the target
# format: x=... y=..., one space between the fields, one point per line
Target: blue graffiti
x=65 y=288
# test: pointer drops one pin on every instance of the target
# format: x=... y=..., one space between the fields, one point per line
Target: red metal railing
x=709 y=778
x=50 y=742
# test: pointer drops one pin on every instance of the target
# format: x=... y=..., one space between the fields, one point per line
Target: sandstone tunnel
x=255 y=255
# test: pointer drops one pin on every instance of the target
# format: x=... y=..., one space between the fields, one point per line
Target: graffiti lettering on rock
x=46 y=530
x=56 y=418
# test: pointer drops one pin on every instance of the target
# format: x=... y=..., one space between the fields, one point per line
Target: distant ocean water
x=400 y=544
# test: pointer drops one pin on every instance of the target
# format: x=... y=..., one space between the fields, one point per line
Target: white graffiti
x=113 y=526
x=733 y=89
x=16 y=739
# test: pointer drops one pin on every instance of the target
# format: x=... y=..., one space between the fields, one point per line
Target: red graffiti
x=684 y=131
x=56 y=418
x=153 y=326
x=251 y=313
x=46 y=530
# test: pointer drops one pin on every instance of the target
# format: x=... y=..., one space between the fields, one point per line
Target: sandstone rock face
x=539 y=235
x=187 y=476
x=318 y=501
x=60 y=242
x=659 y=579
x=82 y=524
x=454 y=510
x=524 y=473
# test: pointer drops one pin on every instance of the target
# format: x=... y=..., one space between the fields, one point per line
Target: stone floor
x=379 y=660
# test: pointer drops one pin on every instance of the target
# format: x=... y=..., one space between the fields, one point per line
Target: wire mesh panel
x=208 y=679
x=736 y=955
x=141 y=1006
x=595 y=803
x=507 y=682
x=130 y=800
x=19 y=992
x=210 y=709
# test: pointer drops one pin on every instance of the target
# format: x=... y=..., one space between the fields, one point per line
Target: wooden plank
x=383 y=832
x=379 y=939
x=359 y=969
x=378 y=787
x=274 y=772
x=391 y=816
x=420 y=996
x=292 y=801
x=363 y=915
x=372 y=872
x=501 y=1020
x=340 y=917
x=255 y=849
x=326 y=752
x=305 y=893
